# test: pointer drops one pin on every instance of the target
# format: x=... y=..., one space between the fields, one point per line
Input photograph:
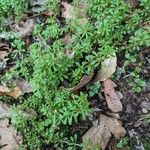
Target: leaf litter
x=24 y=28
x=84 y=81
x=5 y=50
x=108 y=67
x=101 y=133
x=107 y=125
x=112 y=97
x=21 y=88
x=7 y=112
x=75 y=13
x=9 y=139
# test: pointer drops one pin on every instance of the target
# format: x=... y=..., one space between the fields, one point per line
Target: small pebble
x=145 y=105
x=145 y=111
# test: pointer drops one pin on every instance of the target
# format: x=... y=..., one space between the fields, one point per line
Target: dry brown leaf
x=24 y=86
x=24 y=28
x=15 y=92
x=68 y=11
x=6 y=111
x=133 y=3
x=4 y=89
x=3 y=54
x=21 y=88
x=101 y=133
x=113 y=144
x=4 y=50
x=67 y=39
x=78 y=13
x=9 y=139
x=85 y=80
x=112 y=98
x=69 y=53
x=108 y=67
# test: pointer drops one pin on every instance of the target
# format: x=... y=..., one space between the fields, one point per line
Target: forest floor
x=75 y=75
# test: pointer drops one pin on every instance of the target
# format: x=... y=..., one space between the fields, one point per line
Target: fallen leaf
x=4 y=50
x=113 y=144
x=4 y=89
x=14 y=92
x=101 y=133
x=85 y=80
x=112 y=98
x=76 y=13
x=24 y=86
x=21 y=88
x=108 y=67
x=3 y=54
x=68 y=11
x=67 y=39
x=6 y=111
x=133 y=3
x=9 y=139
x=69 y=53
x=24 y=28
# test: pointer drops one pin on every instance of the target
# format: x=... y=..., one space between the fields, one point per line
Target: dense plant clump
x=51 y=72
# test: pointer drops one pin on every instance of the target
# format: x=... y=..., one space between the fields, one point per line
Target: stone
x=145 y=111
x=145 y=105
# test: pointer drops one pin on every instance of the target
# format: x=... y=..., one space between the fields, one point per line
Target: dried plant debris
x=13 y=92
x=67 y=39
x=21 y=88
x=112 y=97
x=68 y=11
x=84 y=81
x=24 y=28
x=108 y=67
x=6 y=111
x=24 y=86
x=9 y=139
x=101 y=133
x=5 y=50
x=133 y=3
x=75 y=13
x=69 y=53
